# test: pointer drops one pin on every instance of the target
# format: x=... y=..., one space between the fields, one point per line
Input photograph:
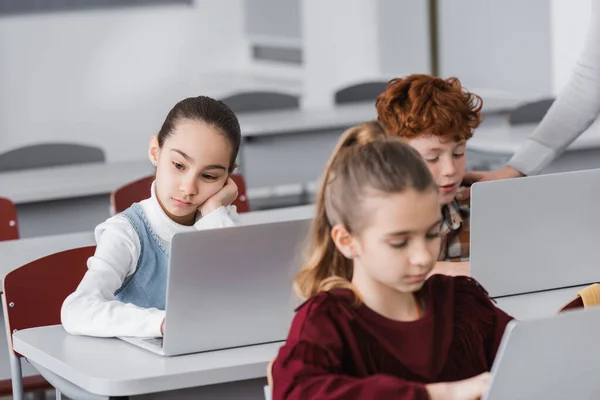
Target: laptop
x=536 y=233
x=555 y=358
x=229 y=287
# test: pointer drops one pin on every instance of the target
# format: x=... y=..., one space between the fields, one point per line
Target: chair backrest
x=133 y=192
x=49 y=155
x=9 y=228
x=122 y=198
x=530 y=113
x=261 y=101
x=586 y=298
x=365 y=91
x=34 y=293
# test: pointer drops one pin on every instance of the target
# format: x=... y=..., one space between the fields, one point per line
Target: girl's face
x=400 y=243
x=446 y=161
x=191 y=166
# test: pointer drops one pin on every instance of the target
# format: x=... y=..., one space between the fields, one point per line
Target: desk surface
x=15 y=253
x=70 y=181
x=221 y=84
x=82 y=180
x=111 y=367
x=338 y=117
x=497 y=136
x=289 y=121
x=539 y=304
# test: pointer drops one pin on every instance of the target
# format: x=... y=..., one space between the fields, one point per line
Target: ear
x=154 y=150
x=343 y=241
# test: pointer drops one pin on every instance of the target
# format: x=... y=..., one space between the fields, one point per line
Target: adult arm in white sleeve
x=92 y=309
x=576 y=107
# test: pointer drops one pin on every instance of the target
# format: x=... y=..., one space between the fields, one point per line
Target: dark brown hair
x=366 y=159
x=419 y=104
x=213 y=113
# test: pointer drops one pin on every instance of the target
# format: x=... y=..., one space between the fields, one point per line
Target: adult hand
x=472 y=177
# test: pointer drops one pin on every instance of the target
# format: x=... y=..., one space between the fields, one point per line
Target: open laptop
x=229 y=287
x=536 y=233
x=555 y=358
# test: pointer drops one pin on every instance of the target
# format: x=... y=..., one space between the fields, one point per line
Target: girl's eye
x=398 y=245
x=432 y=160
x=458 y=155
x=209 y=177
x=178 y=165
x=434 y=235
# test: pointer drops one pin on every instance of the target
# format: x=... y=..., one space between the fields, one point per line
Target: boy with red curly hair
x=437 y=116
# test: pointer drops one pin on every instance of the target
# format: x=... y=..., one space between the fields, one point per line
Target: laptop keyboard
x=158 y=342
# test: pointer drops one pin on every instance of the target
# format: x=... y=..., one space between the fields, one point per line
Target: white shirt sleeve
x=92 y=309
x=222 y=217
x=576 y=107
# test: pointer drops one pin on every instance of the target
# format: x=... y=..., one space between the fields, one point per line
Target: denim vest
x=147 y=286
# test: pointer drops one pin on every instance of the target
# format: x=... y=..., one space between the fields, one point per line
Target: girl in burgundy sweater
x=373 y=326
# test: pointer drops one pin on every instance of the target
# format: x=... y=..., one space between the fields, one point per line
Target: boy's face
x=446 y=161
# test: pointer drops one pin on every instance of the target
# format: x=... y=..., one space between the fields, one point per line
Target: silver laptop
x=230 y=287
x=555 y=358
x=536 y=233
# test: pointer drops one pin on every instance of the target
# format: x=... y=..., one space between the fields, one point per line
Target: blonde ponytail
x=326 y=267
x=365 y=157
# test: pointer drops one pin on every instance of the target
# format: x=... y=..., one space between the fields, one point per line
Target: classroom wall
x=569 y=22
x=503 y=46
x=351 y=41
x=404 y=37
x=338 y=50
x=109 y=77
x=274 y=19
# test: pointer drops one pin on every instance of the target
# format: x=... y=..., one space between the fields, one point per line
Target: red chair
x=33 y=295
x=133 y=192
x=242 y=204
x=9 y=229
x=122 y=198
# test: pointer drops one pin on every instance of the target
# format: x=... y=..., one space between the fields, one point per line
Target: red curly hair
x=419 y=103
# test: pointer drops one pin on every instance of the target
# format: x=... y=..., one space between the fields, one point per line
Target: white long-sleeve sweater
x=576 y=107
x=92 y=309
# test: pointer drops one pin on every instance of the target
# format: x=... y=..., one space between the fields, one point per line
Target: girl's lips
x=182 y=203
x=448 y=188
x=417 y=278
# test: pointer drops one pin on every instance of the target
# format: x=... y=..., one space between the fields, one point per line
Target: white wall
x=278 y=19
x=570 y=21
x=109 y=77
x=502 y=45
x=340 y=47
x=403 y=36
x=352 y=41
